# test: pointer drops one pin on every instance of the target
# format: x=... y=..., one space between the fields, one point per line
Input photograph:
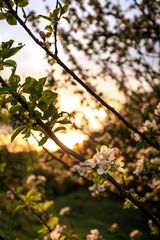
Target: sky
x=31 y=62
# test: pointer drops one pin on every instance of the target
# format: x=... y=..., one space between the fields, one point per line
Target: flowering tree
x=121 y=50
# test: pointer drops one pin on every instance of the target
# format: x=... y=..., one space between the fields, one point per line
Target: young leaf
x=64 y=9
x=42 y=141
x=4 y=5
x=47 y=205
x=2 y=16
x=54 y=15
x=10 y=63
x=67 y=19
x=19 y=207
x=22 y=3
x=7 y=44
x=53 y=221
x=17 y=131
x=48 y=97
x=16 y=108
x=3 y=90
x=45 y=17
x=11 y=19
x=59 y=129
x=6 y=53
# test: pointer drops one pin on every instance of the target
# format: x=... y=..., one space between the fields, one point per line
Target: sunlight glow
x=69 y=139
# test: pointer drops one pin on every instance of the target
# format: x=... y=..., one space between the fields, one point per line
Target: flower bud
x=42 y=35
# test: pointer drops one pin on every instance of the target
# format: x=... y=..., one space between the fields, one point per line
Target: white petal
x=100 y=171
x=90 y=162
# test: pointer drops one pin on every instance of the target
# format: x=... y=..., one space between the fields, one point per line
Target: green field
x=89 y=213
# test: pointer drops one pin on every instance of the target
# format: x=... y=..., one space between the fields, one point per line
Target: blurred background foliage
x=114 y=47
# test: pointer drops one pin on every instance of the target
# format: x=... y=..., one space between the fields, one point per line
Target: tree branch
x=51 y=135
x=83 y=84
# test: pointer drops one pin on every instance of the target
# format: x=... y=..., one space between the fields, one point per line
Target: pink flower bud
x=42 y=35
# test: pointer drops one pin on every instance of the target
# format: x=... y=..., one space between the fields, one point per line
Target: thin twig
x=55 y=33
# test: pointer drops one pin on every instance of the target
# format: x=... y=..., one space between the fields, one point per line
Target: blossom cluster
x=139 y=167
x=96 y=188
x=79 y=168
x=56 y=234
x=148 y=125
x=106 y=160
x=33 y=179
x=157 y=110
x=11 y=193
x=94 y=235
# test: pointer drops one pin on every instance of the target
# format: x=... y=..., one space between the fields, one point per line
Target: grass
x=89 y=213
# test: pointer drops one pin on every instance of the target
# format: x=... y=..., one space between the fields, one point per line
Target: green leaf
x=16 y=108
x=45 y=17
x=4 y=5
x=64 y=9
x=1 y=66
x=47 y=205
x=6 y=53
x=158 y=139
x=17 y=131
x=50 y=111
x=14 y=82
x=10 y=63
x=11 y=19
x=41 y=83
x=48 y=97
x=59 y=129
x=19 y=207
x=29 y=85
x=53 y=221
x=49 y=28
x=63 y=238
x=54 y=15
x=67 y=19
x=2 y=167
x=30 y=193
x=65 y=121
x=42 y=106
x=22 y=3
x=28 y=134
x=34 y=87
x=4 y=90
x=42 y=141
x=2 y=16
x=7 y=44
x=38 y=128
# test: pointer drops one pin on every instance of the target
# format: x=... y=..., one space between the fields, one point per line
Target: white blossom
x=97 y=188
x=157 y=110
x=94 y=235
x=79 y=168
x=31 y=178
x=139 y=167
x=148 y=125
x=105 y=160
x=11 y=193
x=56 y=233
x=135 y=234
x=64 y=211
